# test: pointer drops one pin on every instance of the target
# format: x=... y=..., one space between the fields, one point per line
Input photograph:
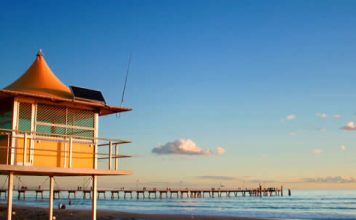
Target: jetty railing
x=20 y=147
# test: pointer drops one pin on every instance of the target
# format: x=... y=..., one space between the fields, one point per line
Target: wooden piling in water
x=39 y=191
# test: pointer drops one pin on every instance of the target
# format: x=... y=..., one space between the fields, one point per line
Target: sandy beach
x=35 y=213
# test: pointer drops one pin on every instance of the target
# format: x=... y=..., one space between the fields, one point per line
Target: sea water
x=303 y=204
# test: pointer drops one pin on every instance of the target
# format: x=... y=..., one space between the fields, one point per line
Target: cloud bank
x=216 y=177
x=330 y=179
x=323 y=115
x=185 y=147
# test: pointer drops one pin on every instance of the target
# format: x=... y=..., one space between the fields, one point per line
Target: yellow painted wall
x=48 y=154
x=19 y=150
x=83 y=156
x=52 y=154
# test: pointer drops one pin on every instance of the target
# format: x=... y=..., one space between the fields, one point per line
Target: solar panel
x=85 y=93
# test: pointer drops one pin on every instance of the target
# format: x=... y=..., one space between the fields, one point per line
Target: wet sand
x=34 y=213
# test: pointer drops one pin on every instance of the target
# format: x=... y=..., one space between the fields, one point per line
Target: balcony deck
x=103 y=155
x=55 y=171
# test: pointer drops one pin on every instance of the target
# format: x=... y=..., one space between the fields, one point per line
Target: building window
x=57 y=120
x=25 y=113
x=6 y=117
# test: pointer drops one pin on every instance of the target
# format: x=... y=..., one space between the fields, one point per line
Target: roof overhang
x=102 y=108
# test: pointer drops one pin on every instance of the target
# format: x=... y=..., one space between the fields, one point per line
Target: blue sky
x=221 y=73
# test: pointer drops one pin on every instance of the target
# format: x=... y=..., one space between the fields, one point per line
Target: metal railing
x=105 y=154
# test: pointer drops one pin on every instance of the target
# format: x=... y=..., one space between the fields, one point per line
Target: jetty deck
x=148 y=193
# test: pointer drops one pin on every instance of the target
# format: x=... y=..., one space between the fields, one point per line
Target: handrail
x=119 y=141
x=28 y=151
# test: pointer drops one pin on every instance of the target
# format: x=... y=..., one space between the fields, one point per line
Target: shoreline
x=38 y=213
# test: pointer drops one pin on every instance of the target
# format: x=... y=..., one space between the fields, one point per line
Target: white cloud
x=317 y=151
x=343 y=148
x=292 y=133
x=220 y=150
x=337 y=116
x=322 y=115
x=291 y=117
x=349 y=126
x=184 y=147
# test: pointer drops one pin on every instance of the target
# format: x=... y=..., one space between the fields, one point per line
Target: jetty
x=153 y=193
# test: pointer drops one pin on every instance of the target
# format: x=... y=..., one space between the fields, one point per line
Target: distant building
x=49 y=129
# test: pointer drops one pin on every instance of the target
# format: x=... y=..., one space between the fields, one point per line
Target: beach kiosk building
x=50 y=129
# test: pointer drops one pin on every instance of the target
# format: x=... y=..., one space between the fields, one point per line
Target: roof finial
x=40 y=53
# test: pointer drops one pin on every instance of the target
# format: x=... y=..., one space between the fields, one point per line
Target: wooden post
x=93 y=198
x=260 y=190
x=51 y=187
x=116 y=157
x=15 y=118
x=70 y=151
x=24 y=148
x=8 y=149
x=96 y=134
x=10 y=185
x=281 y=190
x=110 y=154
x=95 y=158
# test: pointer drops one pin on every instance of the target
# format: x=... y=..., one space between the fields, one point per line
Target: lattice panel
x=80 y=132
x=64 y=121
x=50 y=129
x=25 y=112
x=51 y=114
x=80 y=118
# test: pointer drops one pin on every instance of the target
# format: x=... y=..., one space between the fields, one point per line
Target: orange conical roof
x=40 y=80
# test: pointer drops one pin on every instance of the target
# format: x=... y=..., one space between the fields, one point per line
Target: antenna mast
x=127 y=75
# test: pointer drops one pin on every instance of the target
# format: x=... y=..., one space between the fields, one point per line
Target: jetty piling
x=113 y=192
x=101 y=192
x=3 y=191
x=85 y=193
x=39 y=192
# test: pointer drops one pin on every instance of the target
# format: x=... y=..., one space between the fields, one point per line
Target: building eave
x=103 y=109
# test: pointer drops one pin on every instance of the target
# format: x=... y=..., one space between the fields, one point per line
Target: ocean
x=303 y=204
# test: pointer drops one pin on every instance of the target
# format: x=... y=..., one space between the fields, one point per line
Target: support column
x=70 y=151
x=10 y=185
x=110 y=154
x=116 y=157
x=51 y=187
x=93 y=198
x=24 y=149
